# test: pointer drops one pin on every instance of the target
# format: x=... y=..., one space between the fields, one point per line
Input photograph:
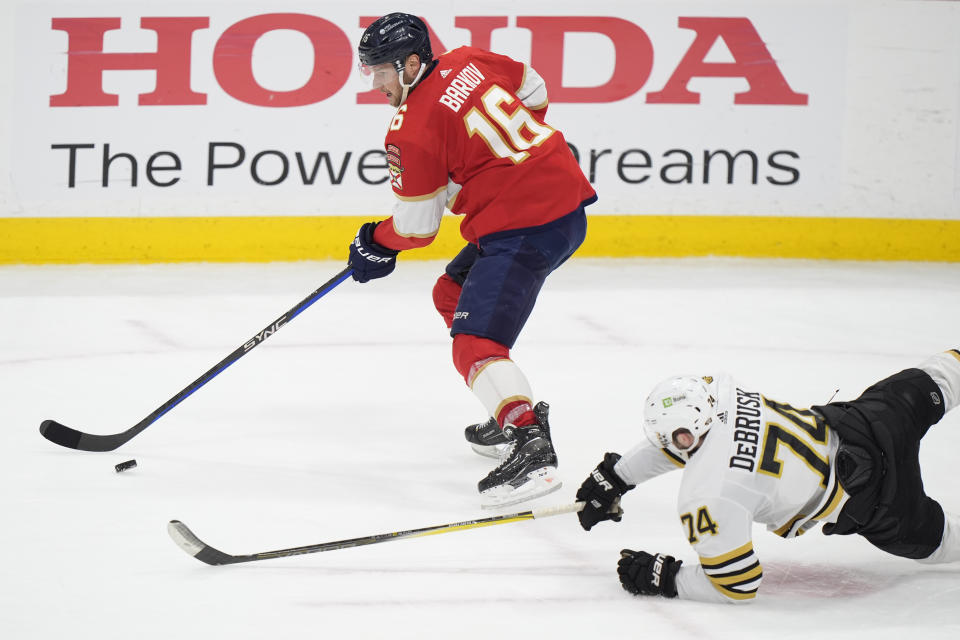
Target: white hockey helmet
x=682 y=406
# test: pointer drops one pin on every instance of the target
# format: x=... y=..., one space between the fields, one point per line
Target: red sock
x=519 y=413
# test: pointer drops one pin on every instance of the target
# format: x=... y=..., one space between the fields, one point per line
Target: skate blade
x=538 y=483
x=491 y=450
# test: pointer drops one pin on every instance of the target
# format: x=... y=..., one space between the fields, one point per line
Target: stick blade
x=194 y=546
x=72 y=439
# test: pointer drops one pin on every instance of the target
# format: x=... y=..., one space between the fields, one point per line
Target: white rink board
x=866 y=126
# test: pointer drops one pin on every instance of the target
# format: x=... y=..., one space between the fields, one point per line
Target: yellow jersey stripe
x=831 y=504
x=672 y=457
x=737 y=595
x=787 y=528
x=737 y=578
x=716 y=562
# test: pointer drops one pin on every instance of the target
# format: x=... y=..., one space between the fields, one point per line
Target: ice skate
x=487 y=438
x=528 y=466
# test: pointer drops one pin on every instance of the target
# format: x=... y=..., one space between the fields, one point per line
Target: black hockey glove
x=369 y=259
x=601 y=492
x=645 y=575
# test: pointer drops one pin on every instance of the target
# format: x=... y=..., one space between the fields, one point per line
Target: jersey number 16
x=523 y=131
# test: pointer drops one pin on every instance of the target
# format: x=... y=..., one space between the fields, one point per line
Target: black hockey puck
x=123 y=466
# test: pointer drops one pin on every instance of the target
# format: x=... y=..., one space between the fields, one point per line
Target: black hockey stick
x=189 y=542
x=73 y=439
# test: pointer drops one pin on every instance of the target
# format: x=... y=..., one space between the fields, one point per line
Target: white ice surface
x=348 y=422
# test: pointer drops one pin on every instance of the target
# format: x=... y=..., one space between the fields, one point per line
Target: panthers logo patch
x=394 y=166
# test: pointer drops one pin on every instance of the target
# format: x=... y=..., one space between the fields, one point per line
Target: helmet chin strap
x=407 y=87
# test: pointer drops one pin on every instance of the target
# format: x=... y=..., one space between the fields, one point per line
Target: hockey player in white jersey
x=851 y=466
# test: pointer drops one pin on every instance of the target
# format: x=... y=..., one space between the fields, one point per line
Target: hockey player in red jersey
x=469 y=134
x=851 y=466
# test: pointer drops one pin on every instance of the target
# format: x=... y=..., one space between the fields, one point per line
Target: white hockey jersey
x=762 y=461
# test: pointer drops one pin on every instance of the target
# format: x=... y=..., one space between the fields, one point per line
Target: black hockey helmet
x=393 y=37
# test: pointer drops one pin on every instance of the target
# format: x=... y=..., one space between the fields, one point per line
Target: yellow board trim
x=282 y=238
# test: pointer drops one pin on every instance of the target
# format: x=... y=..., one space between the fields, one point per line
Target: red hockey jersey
x=471 y=137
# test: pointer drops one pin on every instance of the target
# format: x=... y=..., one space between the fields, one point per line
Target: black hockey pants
x=878 y=464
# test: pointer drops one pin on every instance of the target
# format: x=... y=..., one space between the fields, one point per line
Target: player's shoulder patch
x=395 y=167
